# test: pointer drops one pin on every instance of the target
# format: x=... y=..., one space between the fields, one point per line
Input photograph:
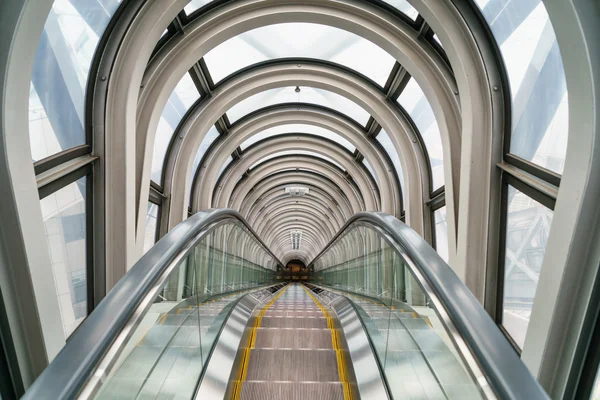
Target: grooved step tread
x=293 y=365
x=293 y=338
x=292 y=390
x=277 y=322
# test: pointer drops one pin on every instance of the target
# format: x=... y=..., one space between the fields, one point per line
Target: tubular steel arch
x=293 y=114
x=263 y=195
x=229 y=178
x=313 y=164
x=194 y=128
x=347 y=206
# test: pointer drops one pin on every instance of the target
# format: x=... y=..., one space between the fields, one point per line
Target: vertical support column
x=556 y=333
x=26 y=278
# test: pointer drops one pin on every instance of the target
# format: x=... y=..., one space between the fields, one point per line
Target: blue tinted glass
x=416 y=104
x=60 y=72
x=540 y=103
x=182 y=98
x=64 y=214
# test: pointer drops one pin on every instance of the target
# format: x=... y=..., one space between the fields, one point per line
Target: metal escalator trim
x=341 y=359
x=484 y=348
x=372 y=345
x=242 y=374
x=89 y=355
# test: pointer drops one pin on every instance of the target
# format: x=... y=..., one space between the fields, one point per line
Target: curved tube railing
x=478 y=339
x=93 y=348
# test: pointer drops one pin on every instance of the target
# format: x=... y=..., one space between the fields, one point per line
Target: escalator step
x=293 y=338
x=274 y=322
x=293 y=365
x=292 y=390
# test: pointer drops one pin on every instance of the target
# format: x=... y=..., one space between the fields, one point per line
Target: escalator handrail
x=70 y=370
x=499 y=362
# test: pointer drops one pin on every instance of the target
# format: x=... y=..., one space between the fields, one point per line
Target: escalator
x=293 y=352
x=202 y=315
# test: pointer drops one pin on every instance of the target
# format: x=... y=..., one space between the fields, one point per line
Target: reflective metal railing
x=153 y=333
x=431 y=336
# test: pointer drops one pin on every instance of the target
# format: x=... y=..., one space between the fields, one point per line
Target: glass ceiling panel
x=195 y=5
x=403 y=6
x=385 y=141
x=58 y=82
x=206 y=142
x=415 y=103
x=184 y=95
x=300 y=40
x=540 y=108
x=309 y=95
x=297 y=153
x=298 y=128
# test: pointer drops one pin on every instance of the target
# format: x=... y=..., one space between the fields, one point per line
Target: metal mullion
x=223 y=125
x=90 y=241
x=373 y=128
x=539 y=190
x=47 y=188
x=438 y=201
x=437 y=192
x=157 y=234
x=57 y=159
x=358 y=157
x=499 y=306
x=156 y=187
x=424 y=28
x=180 y=21
x=202 y=79
x=396 y=82
x=540 y=172
x=155 y=196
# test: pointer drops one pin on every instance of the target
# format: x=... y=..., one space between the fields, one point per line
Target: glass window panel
x=299 y=128
x=403 y=6
x=195 y=5
x=385 y=141
x=64 y=214
x=297 y=153
x=151 y=226
x=300 y=40
x=416 y=104
x=537 y=80
x=206 y=142
x=309 y=95
x=182 y=98
x=527 y=227
x=441 y=233
x=60 y=71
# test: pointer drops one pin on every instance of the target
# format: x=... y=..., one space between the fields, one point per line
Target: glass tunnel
x=324 y=199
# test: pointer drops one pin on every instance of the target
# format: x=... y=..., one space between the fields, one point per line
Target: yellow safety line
x=335 y=340
x=237 y=389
